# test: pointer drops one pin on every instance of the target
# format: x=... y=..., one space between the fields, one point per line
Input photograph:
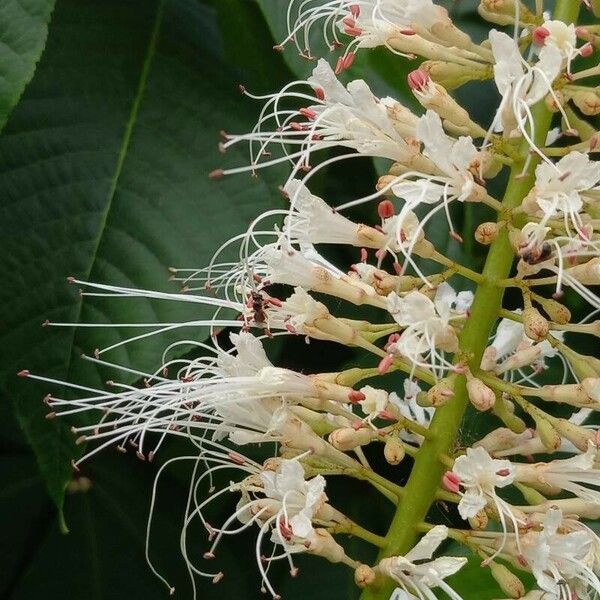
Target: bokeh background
x=105 y=151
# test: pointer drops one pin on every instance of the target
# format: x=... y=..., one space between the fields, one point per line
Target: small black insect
x=257 y=303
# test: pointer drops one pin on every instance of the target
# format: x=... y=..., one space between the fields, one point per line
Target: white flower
x=559 y=188
x=519 y=83
x=247 y=356
x=417 y=571
x=577 y=474
x=480 y=474
x=452 y=157
x=300 y=499
x=409 y=408
x=313 y=221
x=374 y=403
x=558 y=560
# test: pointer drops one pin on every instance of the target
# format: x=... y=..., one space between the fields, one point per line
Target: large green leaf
x=23 y=32
x=103 y=172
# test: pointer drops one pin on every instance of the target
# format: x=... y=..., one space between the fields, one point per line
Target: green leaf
x=22 y=40
x=104 y=171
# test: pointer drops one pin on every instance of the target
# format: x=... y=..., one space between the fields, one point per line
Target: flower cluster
x=519 y=496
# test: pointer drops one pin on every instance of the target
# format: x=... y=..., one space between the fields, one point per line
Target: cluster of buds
x=448 y=333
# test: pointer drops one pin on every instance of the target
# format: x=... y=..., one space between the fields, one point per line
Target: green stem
x=422 y=486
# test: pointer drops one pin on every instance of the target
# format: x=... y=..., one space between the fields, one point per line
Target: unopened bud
x=577 y=435
x=364 y=576
x=394 y=451
x=532 y=497
x=347 y=438
x=586 y=100
x=548 y=434
x=423 y=400
x=510 y=584
x=556 y=311
x=535 y=325
x=440 y=393
x=481 y=396
x=486 y=233
x=502 y=12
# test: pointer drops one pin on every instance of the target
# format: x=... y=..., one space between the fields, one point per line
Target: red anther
x=503 y=472
x=75 y=467
x=339 y=65
x=286 y=530
x=46 y=323
x=294 y=571
x=353 y=32
x=385 y=364
x=278 y=47
x=316 y=137
x=320 y=93
x=275 y=302
x=386 y=415
x=70 y=279
x=349 y=21
x=50 y=415
x=242 y=89
x=291 y=328
x=381 y=253
x=398 y=268
x=386 y=209
x=357 y=425
x=457 y=237
x=216 y=174
x=522 y=561
x=355 y=396
x=151 y=455
x=593 y=143
x=238 y=459
x=140 y=455
x=336 y=46
x=46 y=399
x=586 y=50
x=539 y=35
x=558 y=295
x=296 y=126
x=392 y=339
x=581 y=32
x=408 y=31
x=364 y=255
x=355 y=10
x=80 y=440
x=451 y=481
x=24 y=373
x=208 y=556
x=308 y=113
x=349 y=59
x=418 y=79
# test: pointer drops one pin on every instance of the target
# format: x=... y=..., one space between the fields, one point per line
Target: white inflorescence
x=511 y=504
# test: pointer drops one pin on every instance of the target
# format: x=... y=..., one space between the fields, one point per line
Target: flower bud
x=481 y=396
x=587 y=273
x=364 y=576
x=452 y=75
x=556 y=311
x=486 y=233
x=423 y=400
x=394 y=451
x=502 y=12
x=586 y=100
x=577 y=435
x=347 y=438
x=548 y=434
x=535 y=325
x=440 y=393
x=510 y=584
x=531 y=496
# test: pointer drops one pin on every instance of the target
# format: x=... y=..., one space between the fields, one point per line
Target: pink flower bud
x=418 y=79
x=586 y=50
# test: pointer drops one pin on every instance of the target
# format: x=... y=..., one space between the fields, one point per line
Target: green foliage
x=23 y=32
